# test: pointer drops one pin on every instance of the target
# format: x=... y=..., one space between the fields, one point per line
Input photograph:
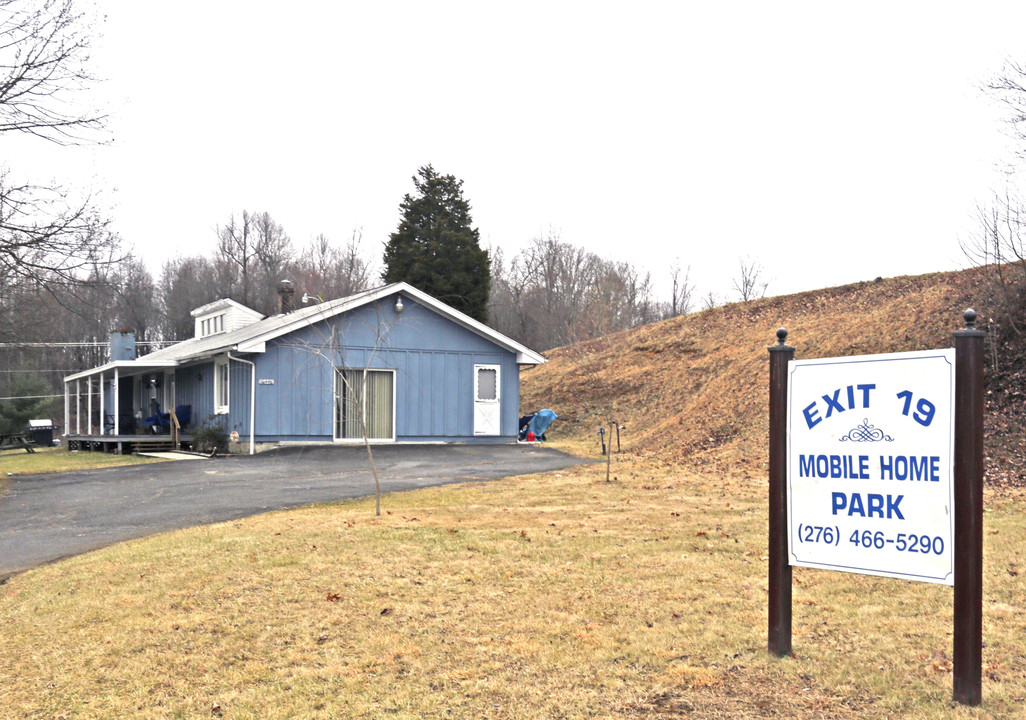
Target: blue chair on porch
x=161 y=422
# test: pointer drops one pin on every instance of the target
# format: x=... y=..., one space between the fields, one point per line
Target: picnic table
x=16 y=440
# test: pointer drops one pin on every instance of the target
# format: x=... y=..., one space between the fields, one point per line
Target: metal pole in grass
x=609 y=455
x=779 y=569
x=968 y=605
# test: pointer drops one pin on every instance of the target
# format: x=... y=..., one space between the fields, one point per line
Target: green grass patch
x=555 y=596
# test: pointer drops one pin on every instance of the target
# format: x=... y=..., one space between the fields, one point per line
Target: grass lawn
x=49 y=460
x=552 y=596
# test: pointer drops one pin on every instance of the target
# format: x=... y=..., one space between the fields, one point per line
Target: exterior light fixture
x=399 y=303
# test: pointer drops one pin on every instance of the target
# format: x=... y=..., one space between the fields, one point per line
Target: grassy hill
x=694 y=390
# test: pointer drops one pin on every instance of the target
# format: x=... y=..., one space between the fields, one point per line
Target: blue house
x=391 y=363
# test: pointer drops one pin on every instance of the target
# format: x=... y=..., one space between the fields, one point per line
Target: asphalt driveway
x=47 y=517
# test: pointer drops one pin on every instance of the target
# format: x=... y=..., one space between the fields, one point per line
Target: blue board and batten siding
x=194 y=385
x=432 y=357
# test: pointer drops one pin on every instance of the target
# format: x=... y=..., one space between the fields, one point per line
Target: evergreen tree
x=436 y=250
x=25 y=404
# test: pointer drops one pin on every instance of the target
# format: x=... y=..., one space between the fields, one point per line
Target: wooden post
x=779 y=569
x=968 y=609
x=175 y=429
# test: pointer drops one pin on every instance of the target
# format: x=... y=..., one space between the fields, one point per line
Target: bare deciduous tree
x=1009 y=88
x=44 y=54
x=749 y=284
x=273 y=251
x=554 y=293
x=184 y=284
x=999 y=246
x=327 y=271
x=236 y=252
x=349 y=385
x=45 y=234
x=682 y=289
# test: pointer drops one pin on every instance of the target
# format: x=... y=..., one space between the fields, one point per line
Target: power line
x=53 y=370
x=76 y=344
x=31 y=397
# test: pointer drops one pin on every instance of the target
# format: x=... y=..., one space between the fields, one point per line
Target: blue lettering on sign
x=853 y=395
x=875 y=505
x=834 y=466
x=899 y=467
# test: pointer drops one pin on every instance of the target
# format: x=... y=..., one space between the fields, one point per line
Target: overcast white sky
x=831 y=142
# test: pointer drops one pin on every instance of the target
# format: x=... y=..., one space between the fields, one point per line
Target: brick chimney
x=285 y=293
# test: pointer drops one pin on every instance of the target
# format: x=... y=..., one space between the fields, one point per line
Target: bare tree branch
x=749 y=284
x=680 y=298
x=999 y=246
x=43 y=235
x=44 y=54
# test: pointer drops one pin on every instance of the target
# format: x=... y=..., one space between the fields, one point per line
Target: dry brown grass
x=559 y=596
x=693 y=390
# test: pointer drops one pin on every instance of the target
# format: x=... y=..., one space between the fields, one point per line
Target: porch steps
x=153 y=445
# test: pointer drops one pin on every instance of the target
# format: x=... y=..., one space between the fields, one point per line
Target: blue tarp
x=538 y=424
x=162 y=421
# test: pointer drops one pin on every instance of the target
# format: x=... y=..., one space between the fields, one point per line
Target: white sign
x=870 y=462
x=265 y=381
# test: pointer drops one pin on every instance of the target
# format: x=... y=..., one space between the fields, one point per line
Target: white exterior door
x=487 y=404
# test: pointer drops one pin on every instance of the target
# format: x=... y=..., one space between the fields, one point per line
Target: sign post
x=968 y=610
x=876 y=467
x=779 y=569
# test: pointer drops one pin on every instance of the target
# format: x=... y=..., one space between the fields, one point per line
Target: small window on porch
x=221 y=386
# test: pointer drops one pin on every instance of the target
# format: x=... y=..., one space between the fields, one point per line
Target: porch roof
x=126 y=368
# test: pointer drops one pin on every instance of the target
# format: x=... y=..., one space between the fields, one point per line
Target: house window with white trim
x=212 y=325
x=221 y=382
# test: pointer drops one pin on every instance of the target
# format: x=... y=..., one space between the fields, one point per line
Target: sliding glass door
x=364 y=399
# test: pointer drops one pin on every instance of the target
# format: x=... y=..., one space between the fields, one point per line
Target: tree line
x=67 y=281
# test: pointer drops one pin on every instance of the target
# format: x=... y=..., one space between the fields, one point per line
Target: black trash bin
x=41 y=432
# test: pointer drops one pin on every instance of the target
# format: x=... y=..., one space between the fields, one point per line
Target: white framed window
x=212 y=325
x=221 y=386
